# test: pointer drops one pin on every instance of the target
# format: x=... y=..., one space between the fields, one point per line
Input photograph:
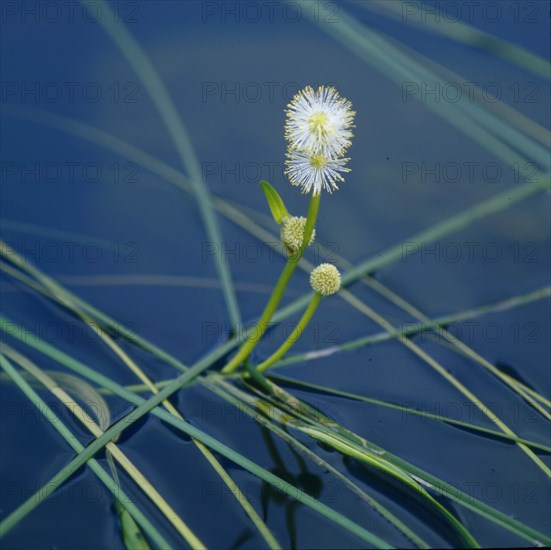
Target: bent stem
x=294 y=336
x=278 y=291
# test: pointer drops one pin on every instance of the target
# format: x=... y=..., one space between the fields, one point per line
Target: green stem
x=294 y=336
x=261 y=381
x=278 y=291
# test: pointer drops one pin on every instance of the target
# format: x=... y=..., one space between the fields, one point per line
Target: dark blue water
x=108 y=228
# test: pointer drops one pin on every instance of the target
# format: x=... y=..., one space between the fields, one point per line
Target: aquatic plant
x=319 y=133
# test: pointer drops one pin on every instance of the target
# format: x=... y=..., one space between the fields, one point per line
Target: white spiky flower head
x=314 y=172
x=325 y=279
x=292 y=233
x=319 y=121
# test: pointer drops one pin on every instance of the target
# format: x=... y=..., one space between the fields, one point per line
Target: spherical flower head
x=325 y=279
x=314 y=172
x=319 y=121
x=292 y=233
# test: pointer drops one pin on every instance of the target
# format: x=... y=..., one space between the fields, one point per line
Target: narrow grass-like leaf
x=205 y=451
x=359 y=305
x=500 y=109
x=455 y=223
x=140 y=388
x=344 y=447
x=503 y=520
x=479 y=211
x=13 y=519
x=404 y=410
x=458 y=385
x=151 y=405
x=436 y=324
x=170 y=116
x=478 y=124
x=310 y=421
x=141 y=481
x=320 y=422
x=435 y=365
x=105 y=139
x=248 y=404
x=534 y=394
x=417 y=13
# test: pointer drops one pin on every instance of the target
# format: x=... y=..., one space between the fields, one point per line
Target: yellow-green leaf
x=275 y=202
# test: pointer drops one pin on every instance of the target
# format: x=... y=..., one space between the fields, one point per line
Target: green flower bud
x=325 y=279
x=292 y=233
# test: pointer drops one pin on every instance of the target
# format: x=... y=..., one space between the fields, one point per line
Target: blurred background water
x=134 y=245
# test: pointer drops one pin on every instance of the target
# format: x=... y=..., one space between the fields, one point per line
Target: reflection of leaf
x=245 y=536
x=275 y=202
x=291 y=524
x=311 y=483
x=131 y=534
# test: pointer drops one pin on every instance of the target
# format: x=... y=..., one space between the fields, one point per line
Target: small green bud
x=325 y=279
x=292 y=233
